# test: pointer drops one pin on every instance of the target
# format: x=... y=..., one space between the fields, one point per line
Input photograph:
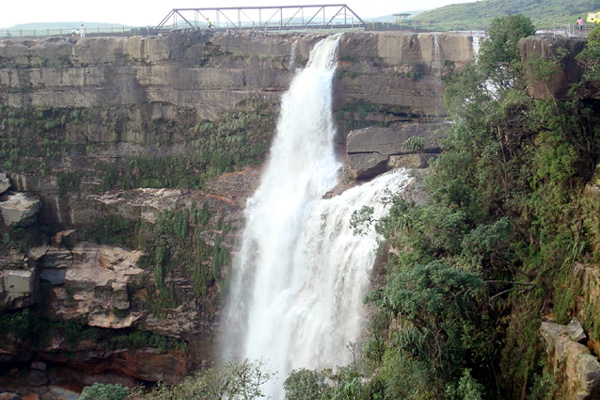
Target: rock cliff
x=136 y=157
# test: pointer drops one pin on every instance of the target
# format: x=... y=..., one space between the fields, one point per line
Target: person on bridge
x=579 y=24
x=208 y=23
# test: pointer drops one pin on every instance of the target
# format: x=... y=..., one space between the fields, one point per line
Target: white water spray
x=296 y=301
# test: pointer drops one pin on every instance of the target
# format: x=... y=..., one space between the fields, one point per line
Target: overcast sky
x=151 y=12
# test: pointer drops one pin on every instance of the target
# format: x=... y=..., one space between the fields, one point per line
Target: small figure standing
x=82 y=31
x=579 y=24
x=208 y=23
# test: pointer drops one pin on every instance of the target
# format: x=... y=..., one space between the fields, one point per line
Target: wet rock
x=19 y=208
x=367 y=165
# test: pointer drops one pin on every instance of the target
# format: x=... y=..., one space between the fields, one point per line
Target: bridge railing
x=330 y=16
x=67 y=32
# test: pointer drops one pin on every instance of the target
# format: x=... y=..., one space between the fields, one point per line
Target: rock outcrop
x=150 y=146
x=19 y=208
x=576 y=370
x=551 y=49
x=373 y=150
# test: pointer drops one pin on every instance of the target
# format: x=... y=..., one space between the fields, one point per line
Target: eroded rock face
x=90 y=283
x=546 y=48
x=373 y=150
x=18 y=208
x=577 y=371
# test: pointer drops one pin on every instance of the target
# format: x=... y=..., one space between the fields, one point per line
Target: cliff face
x=140 y=154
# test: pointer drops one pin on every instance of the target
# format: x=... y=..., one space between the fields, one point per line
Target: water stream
x=296 y=300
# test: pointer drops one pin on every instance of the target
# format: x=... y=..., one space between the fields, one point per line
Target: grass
x=479 y=15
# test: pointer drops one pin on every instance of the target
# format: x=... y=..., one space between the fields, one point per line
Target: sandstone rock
x=392 y=140
x=410 y=161
x=19 y=208
x=576 y=331
x=367 y=165
x=547 y=48
x=31 y=396
x=15 y=285
x=576 y=370
x=9 y=396
x=91 y=283
x=4 y=182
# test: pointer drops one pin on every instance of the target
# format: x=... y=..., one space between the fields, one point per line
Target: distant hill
x=64 y=25
x=480 y=14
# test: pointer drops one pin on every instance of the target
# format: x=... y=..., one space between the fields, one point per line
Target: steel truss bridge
x=273 y=18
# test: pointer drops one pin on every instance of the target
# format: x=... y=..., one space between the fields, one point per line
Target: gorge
x=137 y=158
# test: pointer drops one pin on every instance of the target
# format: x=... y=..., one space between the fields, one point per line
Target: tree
x=499 y=55
x=235 y=380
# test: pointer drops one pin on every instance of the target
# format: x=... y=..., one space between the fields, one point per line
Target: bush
x=100 y=391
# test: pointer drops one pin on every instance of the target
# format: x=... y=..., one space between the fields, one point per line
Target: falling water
x=436 y=66
x=296 y=301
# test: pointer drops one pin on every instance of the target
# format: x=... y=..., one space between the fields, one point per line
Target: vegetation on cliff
x=474 y=270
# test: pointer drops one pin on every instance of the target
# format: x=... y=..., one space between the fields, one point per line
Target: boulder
x=410 y=160
x=16 y=288
x=4 y=182
x=575 y=369
x=367 y=165
x=19 y=208
x=576 y=331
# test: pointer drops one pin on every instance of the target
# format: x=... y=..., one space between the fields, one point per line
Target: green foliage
x=27 y=326
x=470 y=273
x=304 y=384
x=499 y=54
x=236 y=380
x=479 y=15
x=414 y=144
x=101 y=391
x=590 y=59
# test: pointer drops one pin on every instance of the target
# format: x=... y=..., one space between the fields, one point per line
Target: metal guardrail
x=67 y=32
x=572 y=29
x=322 y=16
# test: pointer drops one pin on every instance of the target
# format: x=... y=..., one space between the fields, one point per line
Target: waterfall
x=475 y=43
x=437 y=67
x=296 y=298
x=293 y=55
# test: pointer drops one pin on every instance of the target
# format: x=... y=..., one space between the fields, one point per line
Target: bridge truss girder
x=322 y=16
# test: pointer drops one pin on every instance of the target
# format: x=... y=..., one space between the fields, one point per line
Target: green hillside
x=478 y=15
